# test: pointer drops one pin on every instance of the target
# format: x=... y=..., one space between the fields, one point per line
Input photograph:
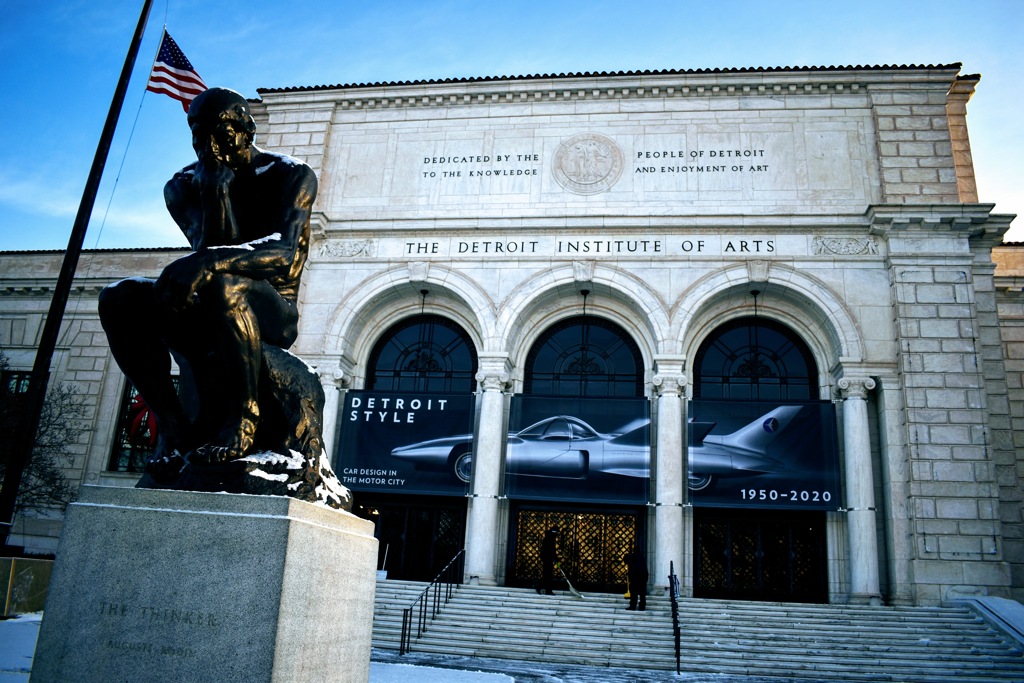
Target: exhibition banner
x=579 y=449
x=755 y=454
x=398 y=442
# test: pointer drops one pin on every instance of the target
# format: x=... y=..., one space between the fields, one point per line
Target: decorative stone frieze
x=845 y=246
x=345 y=248
x=584 y=89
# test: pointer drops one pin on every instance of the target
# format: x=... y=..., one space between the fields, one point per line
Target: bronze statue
x=225 y=309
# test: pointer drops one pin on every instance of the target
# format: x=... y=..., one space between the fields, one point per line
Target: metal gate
x=760 y=555
x=591 y=546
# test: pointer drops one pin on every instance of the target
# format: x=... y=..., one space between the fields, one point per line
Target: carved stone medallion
x=587 y=163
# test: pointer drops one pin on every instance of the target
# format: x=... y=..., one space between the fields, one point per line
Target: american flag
x=173 y=74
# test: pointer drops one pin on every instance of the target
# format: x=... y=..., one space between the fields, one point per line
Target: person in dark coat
x=548 y=558
x=636 y=565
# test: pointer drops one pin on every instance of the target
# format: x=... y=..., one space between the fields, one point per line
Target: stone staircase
x=820 y=642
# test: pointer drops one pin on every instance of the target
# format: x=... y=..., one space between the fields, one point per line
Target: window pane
x=135 y=440
x=424 y=353
x=754 y=358
x=584 y=356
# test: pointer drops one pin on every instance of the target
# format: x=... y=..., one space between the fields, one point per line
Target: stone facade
x=845 y=196
x=1008 y=288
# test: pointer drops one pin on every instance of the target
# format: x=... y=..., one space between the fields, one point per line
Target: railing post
x=403 y=646
x=450 y=576
x=673 y=592
x=423 y=617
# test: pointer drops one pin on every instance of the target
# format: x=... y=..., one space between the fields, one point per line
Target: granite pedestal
x=177 y=586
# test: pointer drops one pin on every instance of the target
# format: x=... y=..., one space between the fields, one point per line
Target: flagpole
x=33 y=404
x=159 y=46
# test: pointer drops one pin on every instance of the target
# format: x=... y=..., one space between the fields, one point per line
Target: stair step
x=849 y=643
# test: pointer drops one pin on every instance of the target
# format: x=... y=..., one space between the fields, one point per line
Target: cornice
x=969 y=218
x=1009 y=284
x=44 y=287
x=86 y=253
x=665 y=84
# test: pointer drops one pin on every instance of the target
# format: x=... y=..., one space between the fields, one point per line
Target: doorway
x=769 y=555
x=591 y=546
x=758 y=554
x=417 y=536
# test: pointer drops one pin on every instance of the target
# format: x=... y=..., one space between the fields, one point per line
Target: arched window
x=584 y=356
x=423 y=353
x=756 y=359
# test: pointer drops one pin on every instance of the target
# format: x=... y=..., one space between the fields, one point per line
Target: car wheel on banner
x=462 y=465
x=700 y=482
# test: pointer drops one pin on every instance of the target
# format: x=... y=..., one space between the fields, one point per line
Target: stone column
x=668 y=489
x=482 y=537
x=860 y=492
x=333 y=380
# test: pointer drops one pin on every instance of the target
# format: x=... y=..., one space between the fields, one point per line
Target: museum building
x=753 y=322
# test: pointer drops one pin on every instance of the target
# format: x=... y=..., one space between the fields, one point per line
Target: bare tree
x=44 y=486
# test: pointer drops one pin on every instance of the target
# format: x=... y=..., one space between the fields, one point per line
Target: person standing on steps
x=636 y=565
x=549 y=560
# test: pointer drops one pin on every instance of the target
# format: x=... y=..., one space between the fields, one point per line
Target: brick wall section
x=956 y=111
x=81 y=362
x=915 y=152
x=1011 y=313
x=82 y=357
x=300 y=133
x=1000 y=420
x=952 y=488
x=1009 y=295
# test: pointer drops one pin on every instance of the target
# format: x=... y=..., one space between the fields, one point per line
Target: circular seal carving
x=587 y=163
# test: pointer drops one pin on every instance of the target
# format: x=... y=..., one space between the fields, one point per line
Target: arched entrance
x=756 y=553
x=572 y=364
x=423 y=355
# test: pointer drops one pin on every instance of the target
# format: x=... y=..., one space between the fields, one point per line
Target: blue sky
x=61 y=60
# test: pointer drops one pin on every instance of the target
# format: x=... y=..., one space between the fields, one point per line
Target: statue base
x=170 y=586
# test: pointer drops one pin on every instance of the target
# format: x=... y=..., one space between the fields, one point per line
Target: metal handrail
x=673 y=591
x=447 y=581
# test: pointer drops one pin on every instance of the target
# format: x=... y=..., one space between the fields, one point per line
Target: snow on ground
x=403 y=673
x=17 y=642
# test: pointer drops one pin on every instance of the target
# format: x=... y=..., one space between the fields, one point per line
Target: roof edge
x=604 y=74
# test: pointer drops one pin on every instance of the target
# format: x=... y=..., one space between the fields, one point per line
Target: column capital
x=333 y=377
x=669 y=384
x=855 y=387
x=492 y=381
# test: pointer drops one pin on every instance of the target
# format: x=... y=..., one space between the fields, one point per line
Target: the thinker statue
x=226 y=312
